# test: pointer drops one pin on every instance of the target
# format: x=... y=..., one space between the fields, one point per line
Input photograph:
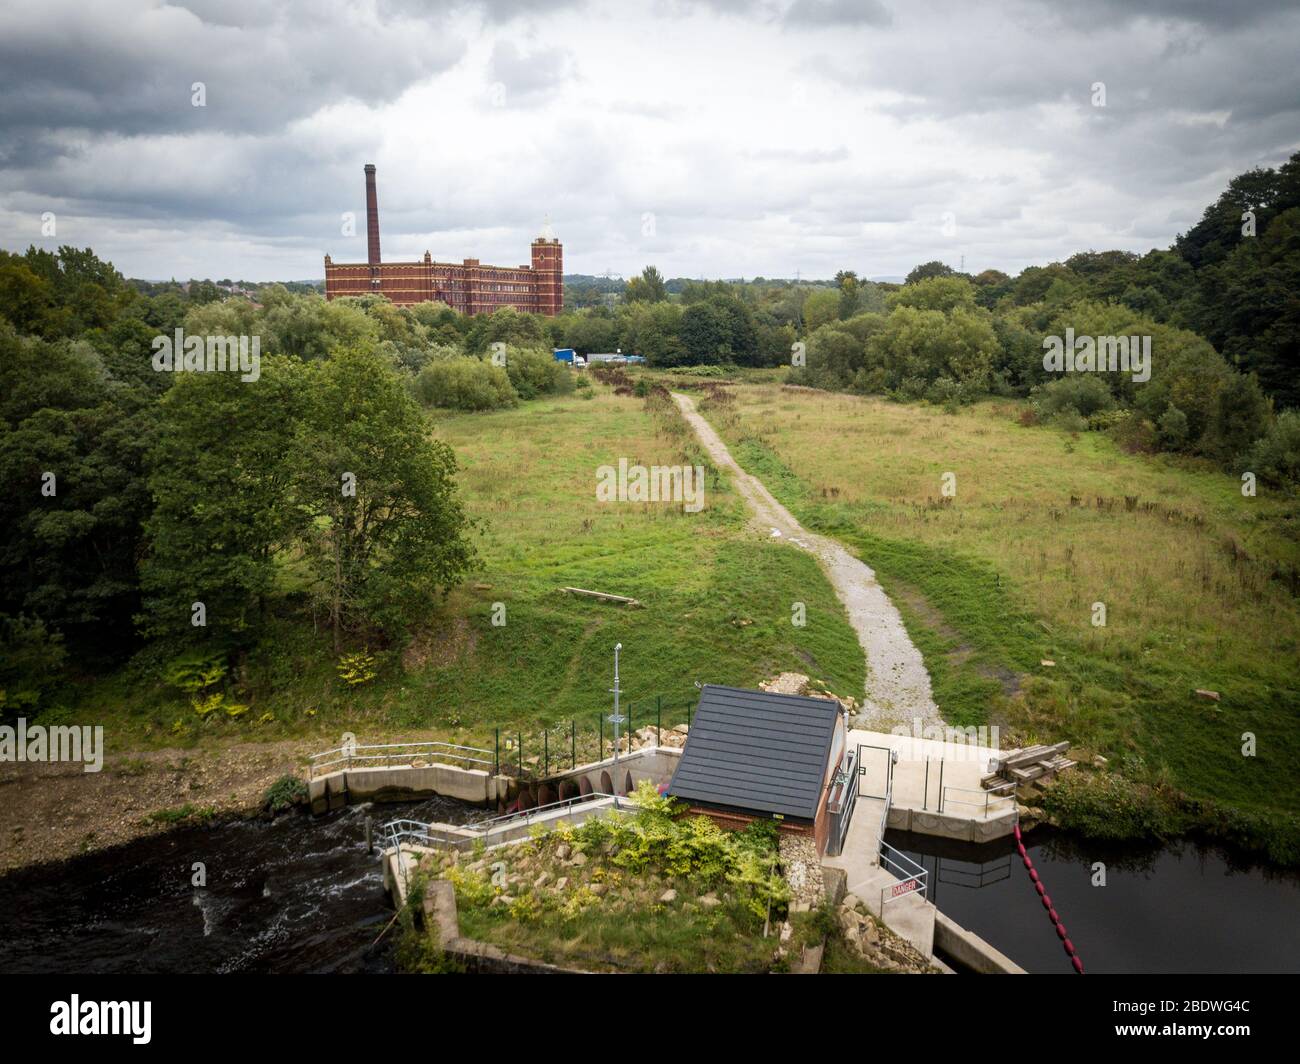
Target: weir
x=925 y=786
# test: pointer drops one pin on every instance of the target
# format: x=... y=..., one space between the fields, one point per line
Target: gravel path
x=898 y=687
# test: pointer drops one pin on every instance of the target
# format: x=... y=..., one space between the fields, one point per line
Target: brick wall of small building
x=819 y=829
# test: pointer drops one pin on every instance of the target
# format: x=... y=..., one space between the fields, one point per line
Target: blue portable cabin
x=564 y=354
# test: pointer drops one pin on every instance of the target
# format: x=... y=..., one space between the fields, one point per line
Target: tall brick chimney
x=372 y=215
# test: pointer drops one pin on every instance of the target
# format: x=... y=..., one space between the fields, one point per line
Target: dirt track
x=898 y=687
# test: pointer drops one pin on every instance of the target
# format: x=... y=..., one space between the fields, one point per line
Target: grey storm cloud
x=761 y=134
x=528 y=74
x=807 y=14
x=128 y=66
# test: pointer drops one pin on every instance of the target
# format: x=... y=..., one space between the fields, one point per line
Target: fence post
x=601 y=751
x=519 y=740
x=688 y=714
x=496 y=757
x=546 y=751
x=573 y=742
x=659 y=720
x=630 y=729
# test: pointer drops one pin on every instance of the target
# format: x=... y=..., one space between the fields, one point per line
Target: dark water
x=302 y=895
x=1180 y=907
x=292 y=895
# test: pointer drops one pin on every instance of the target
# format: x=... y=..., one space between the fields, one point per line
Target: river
x=1174 y=907
x=291 y=895
x=302 y=895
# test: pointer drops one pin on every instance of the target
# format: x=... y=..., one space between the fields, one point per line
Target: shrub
x=533 y=372
x=285 y=793
x=1171 y=429
x=31 y=658
x=1276 y=457
x=465 y=384
x=1085 y=393
x=1068 y=419
x=356 y=669
x=1134 y=433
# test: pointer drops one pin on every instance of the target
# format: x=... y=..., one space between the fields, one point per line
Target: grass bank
x=1196 y=582
x=508 y=648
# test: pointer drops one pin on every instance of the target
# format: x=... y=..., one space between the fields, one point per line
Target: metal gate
x=887 y=779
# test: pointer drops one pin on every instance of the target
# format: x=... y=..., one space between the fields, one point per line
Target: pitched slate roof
x=757 y=752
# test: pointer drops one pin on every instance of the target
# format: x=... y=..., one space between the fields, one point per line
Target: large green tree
x=221 y=474
x=387 y=533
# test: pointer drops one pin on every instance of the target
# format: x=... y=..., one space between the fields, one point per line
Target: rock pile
x=649 y=738
x=796 y=683
x=876 y=943
x=803 y=871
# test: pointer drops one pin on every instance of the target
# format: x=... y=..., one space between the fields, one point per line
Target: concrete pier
x=934 y=790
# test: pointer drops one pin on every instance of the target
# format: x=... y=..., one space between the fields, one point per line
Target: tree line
x=177 y=513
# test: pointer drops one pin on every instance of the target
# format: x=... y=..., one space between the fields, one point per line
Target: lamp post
x=616 y=719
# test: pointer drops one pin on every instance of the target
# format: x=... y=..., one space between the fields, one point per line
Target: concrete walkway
x=898 y=686
x=909 y=915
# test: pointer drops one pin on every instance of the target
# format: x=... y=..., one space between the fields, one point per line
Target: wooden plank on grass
x=603 y=596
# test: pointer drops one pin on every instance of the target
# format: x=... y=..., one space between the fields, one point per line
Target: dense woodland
x=169 y=489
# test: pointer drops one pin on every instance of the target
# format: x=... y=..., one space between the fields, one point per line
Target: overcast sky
x=716 y=139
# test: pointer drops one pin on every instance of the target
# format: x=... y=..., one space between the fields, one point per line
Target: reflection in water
x=290 y=895
x=1178 y=907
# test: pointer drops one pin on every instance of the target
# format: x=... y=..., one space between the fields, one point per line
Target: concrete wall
x=654 y=763
x=399 y=783
x=965 y=828
x=969 y=950
x=522 y=827
x=403 y=782
x=442 y=923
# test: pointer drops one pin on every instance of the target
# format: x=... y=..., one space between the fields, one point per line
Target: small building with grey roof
x=761 y=755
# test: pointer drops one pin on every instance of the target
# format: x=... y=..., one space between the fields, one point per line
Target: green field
x=716 y=604
x=1197 y=581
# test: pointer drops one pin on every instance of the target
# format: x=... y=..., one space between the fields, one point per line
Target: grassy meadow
x=1197 y=581
x=716 y=604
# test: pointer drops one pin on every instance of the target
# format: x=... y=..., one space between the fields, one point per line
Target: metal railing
x=897 y=863
x=843 y=800
x=388 y=755
x=526 y=815
x=987 y=796
x=396 y=832
x=894 y=860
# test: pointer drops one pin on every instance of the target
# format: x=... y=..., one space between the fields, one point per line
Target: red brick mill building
x=469 y=287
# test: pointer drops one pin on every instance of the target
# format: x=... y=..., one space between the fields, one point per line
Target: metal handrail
x=403 y=752
x=844 y=788
x=843 y=800
x=903 y=864
x=527 y=814
x=987 y=795
x=398 y=831
x=889 y=857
